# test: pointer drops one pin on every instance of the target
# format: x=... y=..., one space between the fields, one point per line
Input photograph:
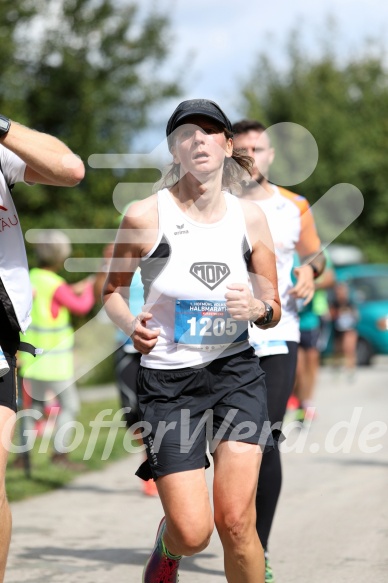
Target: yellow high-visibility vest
x=54 y=335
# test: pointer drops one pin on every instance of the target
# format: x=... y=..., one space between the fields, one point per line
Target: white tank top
x=185 y=276
x=290 y=222
x=13 y=259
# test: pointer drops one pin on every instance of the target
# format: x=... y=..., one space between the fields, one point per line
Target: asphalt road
x=331 y=524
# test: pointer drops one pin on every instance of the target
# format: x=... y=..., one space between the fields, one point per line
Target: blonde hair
x=52 y=247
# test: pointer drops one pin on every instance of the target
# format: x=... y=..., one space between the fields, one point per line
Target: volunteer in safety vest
x=51 y=373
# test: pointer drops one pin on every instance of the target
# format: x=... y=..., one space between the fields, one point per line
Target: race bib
x=206 y=325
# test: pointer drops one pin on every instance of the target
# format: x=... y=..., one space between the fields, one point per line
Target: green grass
x=102 y=371
x=46 y=476
x=102 y=374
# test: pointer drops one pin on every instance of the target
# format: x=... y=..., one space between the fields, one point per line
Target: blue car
x=368 y=285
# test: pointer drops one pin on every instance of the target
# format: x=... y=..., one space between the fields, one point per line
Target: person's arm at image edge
x=48 y=160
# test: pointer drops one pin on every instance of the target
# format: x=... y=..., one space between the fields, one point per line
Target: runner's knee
x=190 y=538
x=236 y=527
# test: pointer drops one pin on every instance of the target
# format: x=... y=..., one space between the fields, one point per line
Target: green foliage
x=86 y=71
x=344 y=105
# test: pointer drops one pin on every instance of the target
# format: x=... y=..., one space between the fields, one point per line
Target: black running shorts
x=126 y=368
x=9 y=342
x=184 y=409
x=309 y=338
x=9 y=385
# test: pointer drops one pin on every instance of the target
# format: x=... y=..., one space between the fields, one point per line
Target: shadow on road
x=124 y=556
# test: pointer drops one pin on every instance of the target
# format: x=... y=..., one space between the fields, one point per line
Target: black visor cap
x=197 y=107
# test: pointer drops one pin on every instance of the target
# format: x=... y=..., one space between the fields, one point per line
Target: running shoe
x=149 y=488
x=300 y=414
x=309 y=416
x=161 y=567
x=293 y=403
x=269 y=578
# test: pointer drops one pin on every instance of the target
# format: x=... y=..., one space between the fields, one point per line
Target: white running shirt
x=292 y=227
x=185 y=277
x=13 y=259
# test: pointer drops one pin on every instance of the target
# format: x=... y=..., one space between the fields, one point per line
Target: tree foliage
x=86 y=71
x=345 y=107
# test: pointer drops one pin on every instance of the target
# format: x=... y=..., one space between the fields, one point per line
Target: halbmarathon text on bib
x=206 y=325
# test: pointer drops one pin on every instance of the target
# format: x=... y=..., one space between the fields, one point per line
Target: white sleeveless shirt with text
x=185 y=276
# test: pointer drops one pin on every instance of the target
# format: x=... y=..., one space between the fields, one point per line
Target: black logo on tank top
x=211 y=274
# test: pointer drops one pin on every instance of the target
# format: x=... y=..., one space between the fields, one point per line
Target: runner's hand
x=142 y=337
x=304 y=287
x=240 y=302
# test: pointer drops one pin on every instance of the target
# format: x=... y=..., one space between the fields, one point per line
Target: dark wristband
x=5 y=124
x=267 y=316
x=316 y=272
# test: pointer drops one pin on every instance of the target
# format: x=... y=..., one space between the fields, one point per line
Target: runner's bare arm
x=312 y=260
x=305 y=275
x=134 y=239
x=49 y=161
x=262 y=270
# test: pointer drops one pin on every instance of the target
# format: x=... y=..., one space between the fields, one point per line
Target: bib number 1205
x=212 y=327
x=206 y=324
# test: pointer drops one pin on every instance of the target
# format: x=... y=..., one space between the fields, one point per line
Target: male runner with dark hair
x=293 y=230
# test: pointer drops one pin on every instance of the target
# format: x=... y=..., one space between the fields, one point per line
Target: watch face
x=268 y=314
x=4 y=125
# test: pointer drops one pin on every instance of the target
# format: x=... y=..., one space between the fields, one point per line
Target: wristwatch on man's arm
x=268 y=315
x=5 y=124
x=317 y=262
x=316 y=271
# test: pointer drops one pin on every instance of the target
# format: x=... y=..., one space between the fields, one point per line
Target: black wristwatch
x=268 y=315
x=316 y=272
x=5 y=124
